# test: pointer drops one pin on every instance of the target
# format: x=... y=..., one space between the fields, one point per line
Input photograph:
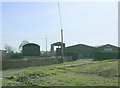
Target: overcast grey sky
x=90 y=23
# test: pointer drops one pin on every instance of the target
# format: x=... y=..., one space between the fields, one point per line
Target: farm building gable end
x=31 y=49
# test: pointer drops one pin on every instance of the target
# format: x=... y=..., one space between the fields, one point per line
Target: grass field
x=76 y=73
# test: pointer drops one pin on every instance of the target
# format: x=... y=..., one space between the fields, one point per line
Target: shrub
x=16 y=56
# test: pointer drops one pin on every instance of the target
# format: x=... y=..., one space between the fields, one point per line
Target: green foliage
x=12 y=82
x=16 y=56
x=11 y=77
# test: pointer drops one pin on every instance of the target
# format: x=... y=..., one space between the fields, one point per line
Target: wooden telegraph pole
x=62 y=51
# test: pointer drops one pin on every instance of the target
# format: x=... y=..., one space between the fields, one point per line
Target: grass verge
x=76 y=73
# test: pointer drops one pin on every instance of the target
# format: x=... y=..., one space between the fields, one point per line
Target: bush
x=16 y=56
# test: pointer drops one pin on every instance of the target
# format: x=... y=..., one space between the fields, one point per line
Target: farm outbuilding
x=106 y=52
x=31 y=49
x=58 y=50
x=83 y=50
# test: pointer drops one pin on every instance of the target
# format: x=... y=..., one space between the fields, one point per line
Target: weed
x=11 y=77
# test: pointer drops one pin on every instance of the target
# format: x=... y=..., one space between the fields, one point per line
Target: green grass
x=76 y=73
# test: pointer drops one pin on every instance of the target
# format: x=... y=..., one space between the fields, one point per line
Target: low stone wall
x=30 y=61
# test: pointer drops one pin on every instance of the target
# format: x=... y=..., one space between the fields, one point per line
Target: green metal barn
x=106 y=52
x=31 y=49
x=83 y=50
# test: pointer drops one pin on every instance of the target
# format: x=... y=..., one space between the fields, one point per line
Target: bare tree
x=22 y=44
x=8 y=48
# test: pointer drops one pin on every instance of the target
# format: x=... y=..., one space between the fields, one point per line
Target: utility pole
x=62 y=51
